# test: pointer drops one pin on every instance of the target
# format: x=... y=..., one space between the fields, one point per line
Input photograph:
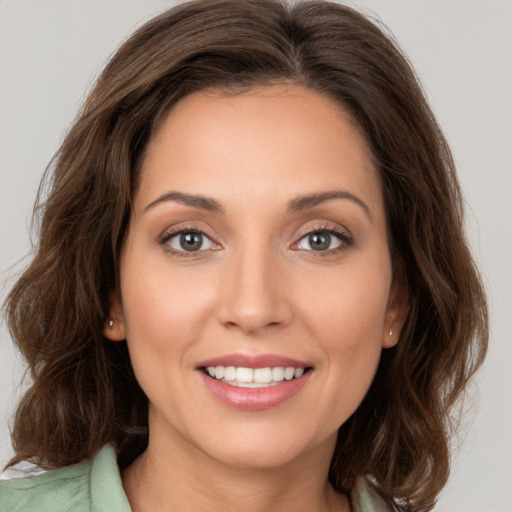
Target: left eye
x=190 y=241
x=320 y=241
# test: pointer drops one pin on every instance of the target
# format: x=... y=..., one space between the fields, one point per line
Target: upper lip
x=259 y=361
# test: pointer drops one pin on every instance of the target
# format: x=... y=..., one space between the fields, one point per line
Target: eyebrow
x=200 y=202
x=310 y=200
x=295 y=205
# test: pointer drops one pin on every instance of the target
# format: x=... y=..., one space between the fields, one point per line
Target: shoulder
x=91 y=486
x=59 y=490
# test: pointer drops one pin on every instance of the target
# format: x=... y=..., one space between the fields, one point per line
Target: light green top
x=95 y=486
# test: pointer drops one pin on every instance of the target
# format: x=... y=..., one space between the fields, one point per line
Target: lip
x=253 y=398
x=259 y=361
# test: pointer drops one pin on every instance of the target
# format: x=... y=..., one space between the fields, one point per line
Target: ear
x=114 y=328
x=396 y=313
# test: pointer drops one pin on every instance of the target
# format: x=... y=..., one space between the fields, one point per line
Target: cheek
x=348 y=304
x=163 y=319
x=159 y=297
x=345 y=312
x=164 y=313
x=350 y=330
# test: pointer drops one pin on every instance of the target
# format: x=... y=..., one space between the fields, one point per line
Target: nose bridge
x=252 y=296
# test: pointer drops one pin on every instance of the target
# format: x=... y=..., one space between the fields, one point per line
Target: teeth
x=289 y=373
x=253 y=377
x=229 y=373
x=263 y=375
x=254 y=384
x=278 y=374
x=219 y=372
x=244 y=374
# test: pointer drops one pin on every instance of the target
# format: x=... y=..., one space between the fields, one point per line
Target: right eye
x=188 y=241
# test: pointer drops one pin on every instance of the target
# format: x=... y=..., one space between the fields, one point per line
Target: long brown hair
x=84 y=393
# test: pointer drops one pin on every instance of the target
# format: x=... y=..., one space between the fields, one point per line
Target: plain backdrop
x=51 y=51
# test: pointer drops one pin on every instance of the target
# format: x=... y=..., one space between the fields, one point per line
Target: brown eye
x=319 y=241
x=190 y=241
x=324 y=240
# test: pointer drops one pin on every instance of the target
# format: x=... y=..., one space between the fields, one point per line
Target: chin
x=269 y=447
x=258 y=456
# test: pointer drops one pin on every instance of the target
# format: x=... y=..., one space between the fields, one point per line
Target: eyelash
x=164 y=241
x=342 y=235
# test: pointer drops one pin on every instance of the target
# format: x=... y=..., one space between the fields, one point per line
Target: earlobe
x=390 y=338
x=396 y=314
x=114 y=328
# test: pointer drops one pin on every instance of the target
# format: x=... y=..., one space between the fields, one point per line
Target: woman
x=252 y=289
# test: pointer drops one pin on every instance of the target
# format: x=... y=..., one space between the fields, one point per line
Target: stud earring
x=110 y=324
x=390 y=333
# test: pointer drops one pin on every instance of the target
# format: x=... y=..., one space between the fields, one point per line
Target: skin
x=256 y=288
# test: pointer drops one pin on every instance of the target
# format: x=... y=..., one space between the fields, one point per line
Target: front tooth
x=244 y=374
x=263 y=375
x=298 y=372
x=289 y=373
x=278 y=373
x=230 y=373
x=211 y=371
x=219 y=372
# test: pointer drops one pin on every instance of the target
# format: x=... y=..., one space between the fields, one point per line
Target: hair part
x=84 y=393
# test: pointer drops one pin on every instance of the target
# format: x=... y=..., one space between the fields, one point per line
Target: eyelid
x=339 y=232
x=169 y=234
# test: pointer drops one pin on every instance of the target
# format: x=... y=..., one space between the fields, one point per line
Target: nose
x=254 y=294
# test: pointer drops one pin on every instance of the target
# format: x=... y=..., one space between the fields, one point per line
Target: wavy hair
x=84 y=393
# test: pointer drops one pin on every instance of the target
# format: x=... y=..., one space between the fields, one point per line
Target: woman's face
x=256 y=253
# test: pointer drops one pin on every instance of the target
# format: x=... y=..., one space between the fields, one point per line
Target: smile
x=254 y=382
x=254 y=377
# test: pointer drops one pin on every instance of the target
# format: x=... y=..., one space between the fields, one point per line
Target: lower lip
x=254 y=398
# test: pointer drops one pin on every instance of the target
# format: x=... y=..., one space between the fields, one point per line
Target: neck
x=172 y=475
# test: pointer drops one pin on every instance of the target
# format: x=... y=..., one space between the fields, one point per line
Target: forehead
x=282 y=140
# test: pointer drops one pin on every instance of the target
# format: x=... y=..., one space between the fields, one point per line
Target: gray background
x=51 y=51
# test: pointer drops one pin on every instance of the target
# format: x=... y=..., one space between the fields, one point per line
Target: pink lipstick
x=254 y=382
